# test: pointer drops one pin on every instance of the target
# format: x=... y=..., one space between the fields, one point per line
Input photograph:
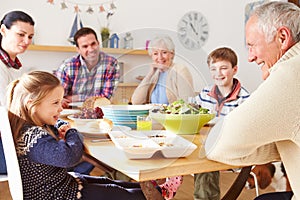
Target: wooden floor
x=185 y=191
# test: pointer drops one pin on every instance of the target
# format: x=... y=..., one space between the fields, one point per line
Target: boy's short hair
x=223 y=53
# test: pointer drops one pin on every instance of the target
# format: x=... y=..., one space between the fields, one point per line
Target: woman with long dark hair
x=16 y=33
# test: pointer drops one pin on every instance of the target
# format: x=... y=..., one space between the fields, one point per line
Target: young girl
x=45 y=149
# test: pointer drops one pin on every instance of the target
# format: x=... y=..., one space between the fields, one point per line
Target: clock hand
x=193 y=28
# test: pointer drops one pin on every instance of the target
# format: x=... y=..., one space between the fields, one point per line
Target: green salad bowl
x=182 y=123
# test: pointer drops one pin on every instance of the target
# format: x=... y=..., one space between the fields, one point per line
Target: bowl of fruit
x=90 y=120
x=182 y=118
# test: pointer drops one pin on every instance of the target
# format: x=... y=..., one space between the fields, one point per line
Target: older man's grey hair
x=275 y=14
x=161 y=42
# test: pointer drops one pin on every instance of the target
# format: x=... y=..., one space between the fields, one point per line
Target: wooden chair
x=13 y=170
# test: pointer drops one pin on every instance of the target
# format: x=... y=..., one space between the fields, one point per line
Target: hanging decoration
x=63 y=5
x=90 y=10
x=108 y=6
x=77 y=24
x=106 y=9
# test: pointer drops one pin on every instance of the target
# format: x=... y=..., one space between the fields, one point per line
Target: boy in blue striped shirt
x=222 y=97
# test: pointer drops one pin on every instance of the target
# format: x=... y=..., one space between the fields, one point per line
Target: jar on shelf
x=128 y=41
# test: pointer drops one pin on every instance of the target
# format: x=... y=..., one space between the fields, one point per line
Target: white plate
x=67 y=112
x=144 y=144
x=76 y=104
x=95 y=131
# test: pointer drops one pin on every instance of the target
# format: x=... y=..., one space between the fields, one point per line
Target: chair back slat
x=13 y=169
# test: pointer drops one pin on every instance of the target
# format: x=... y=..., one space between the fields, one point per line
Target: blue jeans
x=2 y=159
x=275 y=196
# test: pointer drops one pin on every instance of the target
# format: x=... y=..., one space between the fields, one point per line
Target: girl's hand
x=65 y=103
x=62 y=130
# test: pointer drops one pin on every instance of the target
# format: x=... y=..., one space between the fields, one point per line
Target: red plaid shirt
x=78 y=80
x=4 y=57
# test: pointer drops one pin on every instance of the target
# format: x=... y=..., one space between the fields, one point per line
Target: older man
x=266 y=127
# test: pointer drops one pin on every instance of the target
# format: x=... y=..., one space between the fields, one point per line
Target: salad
x=181 y=107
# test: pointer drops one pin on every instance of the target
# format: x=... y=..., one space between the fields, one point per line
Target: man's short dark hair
x=82 y=32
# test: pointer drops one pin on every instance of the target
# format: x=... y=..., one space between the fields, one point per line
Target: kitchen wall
x=144 y=19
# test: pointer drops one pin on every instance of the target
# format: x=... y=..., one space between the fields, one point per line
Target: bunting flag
x=77 y=24
x=90 y=10
x=108 y=6
x=63 y=5
x=101 y=8
x=76 y=8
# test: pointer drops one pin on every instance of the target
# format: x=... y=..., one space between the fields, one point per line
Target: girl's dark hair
x=12 y=17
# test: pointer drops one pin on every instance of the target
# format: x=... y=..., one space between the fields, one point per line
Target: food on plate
x=181 y=107
x=137 y=145
x=90 y=113
x=157 y=136
x=163 y=144
x=94 y=102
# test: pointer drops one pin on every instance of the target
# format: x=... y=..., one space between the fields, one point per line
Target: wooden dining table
x=157 y=167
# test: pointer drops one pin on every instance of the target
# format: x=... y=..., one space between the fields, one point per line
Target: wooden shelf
x=73 y=49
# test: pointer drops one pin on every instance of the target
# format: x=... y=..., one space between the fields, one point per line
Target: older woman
x=166 y=81
x=16 y=33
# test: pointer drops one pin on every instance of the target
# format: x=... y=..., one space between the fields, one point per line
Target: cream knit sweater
x=266 y=127
x=179 y=85
x=7 y=75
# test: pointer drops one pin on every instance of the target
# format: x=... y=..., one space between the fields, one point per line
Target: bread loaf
x=93 y=102
x=105 y=125
x=100 y=125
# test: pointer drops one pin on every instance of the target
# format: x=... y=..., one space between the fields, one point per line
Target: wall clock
x=193 y=30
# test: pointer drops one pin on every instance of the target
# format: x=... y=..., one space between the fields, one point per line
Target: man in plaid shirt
x=91 y=72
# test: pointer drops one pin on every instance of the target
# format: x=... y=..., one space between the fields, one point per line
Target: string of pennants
x=104 y=7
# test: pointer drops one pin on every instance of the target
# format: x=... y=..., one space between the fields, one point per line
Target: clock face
x=193 y=30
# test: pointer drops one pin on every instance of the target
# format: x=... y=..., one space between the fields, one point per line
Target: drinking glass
x=143 y=123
